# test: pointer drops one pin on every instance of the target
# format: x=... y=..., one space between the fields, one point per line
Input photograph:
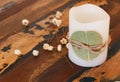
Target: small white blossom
x=56 y=22
x=25 y=22
x=17 y=52
x=63 y=41
x=59 y=47
x=46 y=46
x=35 y=52
x=50 y=48
x=58 y=14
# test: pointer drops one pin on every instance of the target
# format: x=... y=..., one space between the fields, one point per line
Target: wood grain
x=110 y=69
x=12 y=24
x=8 y=4
x=48 y=65
x=23 y=41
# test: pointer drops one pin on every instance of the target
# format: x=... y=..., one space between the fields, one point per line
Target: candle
x=88 y=35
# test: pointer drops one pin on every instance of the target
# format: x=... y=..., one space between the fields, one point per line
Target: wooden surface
x=48 y=66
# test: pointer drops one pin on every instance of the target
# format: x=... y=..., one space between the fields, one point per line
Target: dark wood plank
x=25 y=41
x=60 y=72
x=14 y=37
x=36 y=10
x=11 y=7
x=108 y=72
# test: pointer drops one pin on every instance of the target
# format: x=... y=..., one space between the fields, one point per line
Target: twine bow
x=93 y=48
x=97 y=49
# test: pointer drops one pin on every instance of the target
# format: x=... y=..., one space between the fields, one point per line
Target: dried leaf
x=90 y=38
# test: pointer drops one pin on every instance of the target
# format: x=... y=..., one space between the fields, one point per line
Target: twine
x=96 y=49
x=93 y=48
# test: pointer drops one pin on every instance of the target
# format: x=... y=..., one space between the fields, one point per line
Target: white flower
x=59 y=47
x=35 y=52
x=17 y=52
x=56 y=22
x=58 y=14
x=63 y=41
x=25 y=22
x=46 y=46
x=50 y=48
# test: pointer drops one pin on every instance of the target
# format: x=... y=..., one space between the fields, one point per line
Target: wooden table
x=49 y=66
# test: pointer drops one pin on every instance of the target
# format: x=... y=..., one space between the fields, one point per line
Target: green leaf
x=91 y=38
x=84 y=54
x=87 y=37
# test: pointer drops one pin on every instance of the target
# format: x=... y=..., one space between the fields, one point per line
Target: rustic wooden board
x=48 y=65
x=8 y=4
x=36 y=10
x=25 y=41
x=22 y=40
x=108 y=72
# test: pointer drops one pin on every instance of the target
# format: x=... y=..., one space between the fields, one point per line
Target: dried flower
x=45 y=46
x=25 y=22
x=58 y=14
x=35 y=52
x=59 y=47
x=50 y=48
x=17 y=52
x=63 y=41
x=56 y=22
x=59 y=23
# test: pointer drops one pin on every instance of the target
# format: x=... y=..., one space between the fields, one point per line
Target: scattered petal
x=59 y=47
x=56 y=22
x=17 y=52
x=25 y=22
x=58 y=14
x=35 y=52
x=63 y=41
x=45 y=46
x=50 y=48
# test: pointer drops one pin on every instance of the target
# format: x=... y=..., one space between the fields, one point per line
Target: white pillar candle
x=88 y=26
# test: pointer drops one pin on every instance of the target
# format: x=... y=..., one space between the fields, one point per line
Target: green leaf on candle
x=84 y=54
x=87 y=37
x=90 y=38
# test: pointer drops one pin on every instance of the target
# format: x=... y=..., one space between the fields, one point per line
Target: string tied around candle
x=96 y=49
